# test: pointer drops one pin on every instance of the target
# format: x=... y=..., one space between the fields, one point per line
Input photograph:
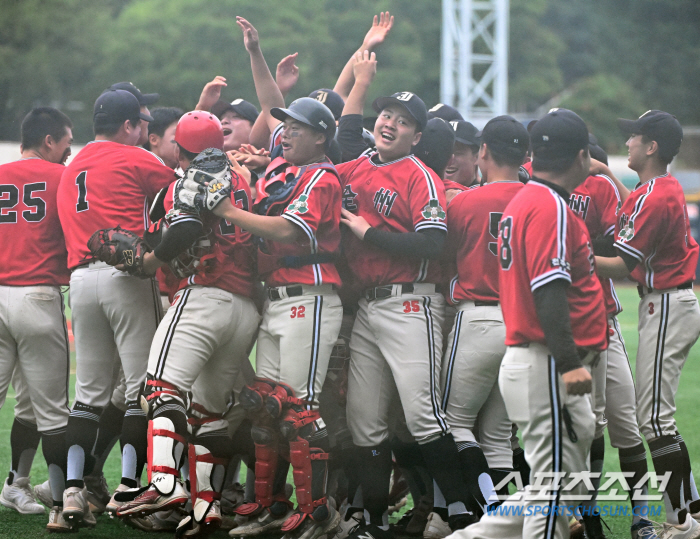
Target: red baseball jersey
x=449 y=184
x=597 y=202
x=31 y=240
x=314 y=206
x=542 y=240
x=230 y=264
x=652 y=226
x=400 y=196
x=107 y=184
x=472 y=240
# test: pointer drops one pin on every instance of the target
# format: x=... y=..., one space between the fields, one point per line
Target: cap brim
x=282 y=114
x=145 y=117
x=627 y=126
x=475 y=142
x=149 y=99
x=242 y=112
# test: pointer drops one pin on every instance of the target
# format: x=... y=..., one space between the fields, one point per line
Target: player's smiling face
x=60 y=149
x=636 y=152
x=301 y=144
x=462 y=165
x=395 y=133
x=236 y=130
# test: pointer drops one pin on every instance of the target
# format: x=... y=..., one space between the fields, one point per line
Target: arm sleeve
x=350 y=137
x=179 y=237
x=604 y=246
x=426 y=198
x=310 y=207
x=641 y=235
x=548 y=258
x=553 y=311
x=427 y=243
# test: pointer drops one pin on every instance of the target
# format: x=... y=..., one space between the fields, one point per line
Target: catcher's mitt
x=207 y=181
x=117 y=246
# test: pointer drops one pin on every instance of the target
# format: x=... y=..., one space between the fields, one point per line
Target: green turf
x=13 y=525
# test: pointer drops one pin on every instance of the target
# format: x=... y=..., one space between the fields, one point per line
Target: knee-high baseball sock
x=442 y=459
x=690 y=490
x=351 y=466
x=81 y=434
x=134 y=444
x=53 y=445
x=24 y=440
x=409 y=459
x=634 y=460
x=667 y=457
x=521 y=465
x=597 y=456
x=110 y=429
x=475 y=470
x=374 y=473
x=499 y=475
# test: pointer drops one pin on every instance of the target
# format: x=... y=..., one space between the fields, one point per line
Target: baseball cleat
x=161 y=521
x=231 y=497
x=354 y=519
x=313 y=529
x=593 y=526
x=20 y=497
x=189 y=527
x=271 y=519
x=42 y=492
x=74 y=505
x=637 y=527
x=97 y=493
x=115 y=502
x=371 y=531
x=151 y=500
x=58 y=524
x=575 y=529
x=690 y=529
x=436 y=528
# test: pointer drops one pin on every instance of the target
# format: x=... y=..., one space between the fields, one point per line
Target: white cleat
x=436 y=528
x=42 y=493
x=58 y=524
x=690 y=529
x=20 y=497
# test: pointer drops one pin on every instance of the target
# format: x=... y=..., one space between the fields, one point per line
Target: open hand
x=211 y=93
x=380 y=29
x=250 y=35
x=365 y=66
x=287 y=73
x=356 y=223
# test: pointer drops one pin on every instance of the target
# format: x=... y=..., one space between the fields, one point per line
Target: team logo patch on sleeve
x=299 y=205
x=433 y=210
x=627 y=233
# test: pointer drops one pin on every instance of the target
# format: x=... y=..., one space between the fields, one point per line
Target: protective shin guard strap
x=202 y=468
x=265 y=469
x=300 y=457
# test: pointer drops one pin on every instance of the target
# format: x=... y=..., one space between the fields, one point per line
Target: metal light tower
x=474 y=74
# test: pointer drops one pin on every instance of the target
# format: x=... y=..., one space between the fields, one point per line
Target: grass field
x=13 y=525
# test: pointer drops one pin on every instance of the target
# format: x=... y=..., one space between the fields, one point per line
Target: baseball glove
x=117 y=246
x=207 y=181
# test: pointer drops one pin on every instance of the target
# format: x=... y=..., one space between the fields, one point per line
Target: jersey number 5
x=494 y=219
x=37 y=205
x=505 y=253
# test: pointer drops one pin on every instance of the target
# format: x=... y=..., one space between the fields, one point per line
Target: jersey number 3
x=505 y=253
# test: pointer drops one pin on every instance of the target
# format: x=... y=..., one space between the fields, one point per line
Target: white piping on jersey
x=613 y=293
x=621 y=243
x=432 y=194
x=558 y=272
x=453 y=285
x=614 y=186
x=423 y=270
x=275 y=133
x=378 y=165
x=146 y=220
x=649 y=278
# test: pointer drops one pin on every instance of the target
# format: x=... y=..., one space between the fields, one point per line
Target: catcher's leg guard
x=207 y=474
x=252 y=397
x=297 y=422
x=280 y=398
x=165 y=454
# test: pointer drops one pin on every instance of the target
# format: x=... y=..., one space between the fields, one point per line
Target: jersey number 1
x=81 y=182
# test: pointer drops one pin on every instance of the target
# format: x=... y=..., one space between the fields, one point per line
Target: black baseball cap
x=331 y=99
x=660 y=126
x=505 y=133
x=144 y=99
x=436 y=144
x=446 y=112
x=245 y=109
x=410 y=101
x=117 y=106
x=597 y=153
x=465 y=132
x=558 y=137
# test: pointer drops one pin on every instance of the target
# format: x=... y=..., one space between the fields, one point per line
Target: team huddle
x=421 y=297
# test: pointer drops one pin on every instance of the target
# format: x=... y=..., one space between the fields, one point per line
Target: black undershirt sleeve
x=605 y=246
x=427 y=243
x=350 y=137
x=630 y=261
x=178 y=238
x=553 y=312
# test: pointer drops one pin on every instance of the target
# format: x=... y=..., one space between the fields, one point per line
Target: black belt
x=292 y=291
x=684 y=286
x=485 y=304
x=381 y=292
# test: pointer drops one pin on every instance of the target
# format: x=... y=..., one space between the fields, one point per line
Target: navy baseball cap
x=410 y=101
x=436 y=144
x=446 y=112
x=144 y=99
x=505 y=133
x=595 y=150
x=657 y=125
x=117 y=106
x=558 y=137
x=245 y=109
x=331 y=99
x=465 y=132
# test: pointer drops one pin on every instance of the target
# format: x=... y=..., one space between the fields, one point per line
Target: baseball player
x=202 y=342
x=394 y=207
x=555 y=325
x=475 y=346
x=298 y=218
x=33 y=334
x=462 y=169
x=108 y=183
x=144 y=101
x=655 y=248
x=597 y=201
x=161 y=134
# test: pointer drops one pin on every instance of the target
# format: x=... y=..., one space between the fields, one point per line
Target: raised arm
x=211 y=93
x=381 y=26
